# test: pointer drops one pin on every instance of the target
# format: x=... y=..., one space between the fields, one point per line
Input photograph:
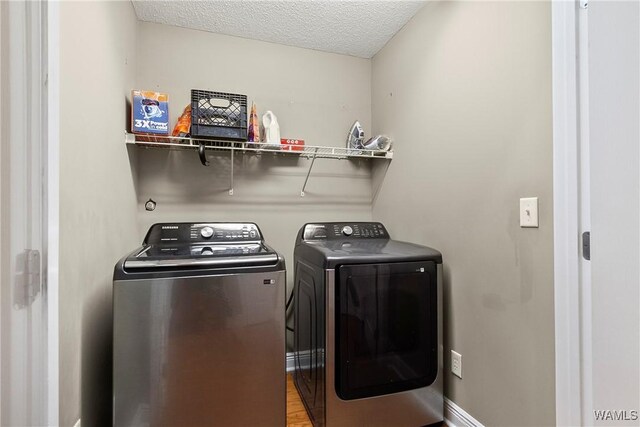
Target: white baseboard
x=290 y=363
x=305 y=360
x=77 y=424
x=455 y=416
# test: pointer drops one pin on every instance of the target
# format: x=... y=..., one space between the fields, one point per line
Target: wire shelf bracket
x=304 y=186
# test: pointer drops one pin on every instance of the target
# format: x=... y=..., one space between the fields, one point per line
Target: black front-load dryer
x=368 y=327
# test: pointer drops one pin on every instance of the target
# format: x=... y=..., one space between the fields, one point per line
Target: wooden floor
x=296 y=414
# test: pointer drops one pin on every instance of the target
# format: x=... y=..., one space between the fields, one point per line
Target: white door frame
x=53 y=208
x=31 y=92
x=572 y=282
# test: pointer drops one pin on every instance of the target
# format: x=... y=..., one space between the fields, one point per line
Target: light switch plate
x=529 y=212
x=456 y=364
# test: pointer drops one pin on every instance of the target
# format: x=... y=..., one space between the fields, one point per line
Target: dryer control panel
x=344 y=230
x=218 y=232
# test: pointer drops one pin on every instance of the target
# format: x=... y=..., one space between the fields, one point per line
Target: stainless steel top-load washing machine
x=368 y=327
x=198 y=329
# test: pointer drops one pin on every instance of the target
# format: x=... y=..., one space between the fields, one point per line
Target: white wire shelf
x=310 y=151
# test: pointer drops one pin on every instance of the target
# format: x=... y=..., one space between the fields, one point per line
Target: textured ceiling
x=357 y=28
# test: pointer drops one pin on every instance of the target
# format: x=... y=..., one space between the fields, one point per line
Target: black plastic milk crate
x=218 y=115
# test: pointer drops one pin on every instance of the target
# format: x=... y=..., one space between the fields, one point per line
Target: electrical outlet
x=456 y=364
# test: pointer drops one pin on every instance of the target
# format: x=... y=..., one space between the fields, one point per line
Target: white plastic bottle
x=271 y=128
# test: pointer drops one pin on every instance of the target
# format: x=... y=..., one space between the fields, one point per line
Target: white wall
x=465 y=90
x=316 y=96
x=97 y=198
x=614 y=109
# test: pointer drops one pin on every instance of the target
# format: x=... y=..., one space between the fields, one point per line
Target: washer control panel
x=343 y=230
x=217 y=232
x=225 y=232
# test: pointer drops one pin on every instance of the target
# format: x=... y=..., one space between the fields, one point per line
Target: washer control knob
x=206 y=232
x=347 y=230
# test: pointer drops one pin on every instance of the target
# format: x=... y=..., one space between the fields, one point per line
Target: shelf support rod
x=313 y=159
x=231 y=176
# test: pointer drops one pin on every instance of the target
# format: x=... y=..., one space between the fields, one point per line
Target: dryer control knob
x=206 y=232
x=347 y=231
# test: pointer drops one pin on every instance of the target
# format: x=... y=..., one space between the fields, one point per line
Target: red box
x=292 y=144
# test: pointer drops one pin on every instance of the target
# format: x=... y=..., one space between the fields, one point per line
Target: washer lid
x=184 y=256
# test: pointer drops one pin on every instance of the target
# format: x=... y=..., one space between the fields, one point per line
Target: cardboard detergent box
x=292 y=144
x=149 y=112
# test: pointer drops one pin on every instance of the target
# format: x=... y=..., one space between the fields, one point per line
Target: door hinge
x=27 y=278
x=586 y=245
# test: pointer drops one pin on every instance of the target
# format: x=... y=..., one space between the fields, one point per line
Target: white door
x=612 y=370
x=596 y=92
x=23 y=296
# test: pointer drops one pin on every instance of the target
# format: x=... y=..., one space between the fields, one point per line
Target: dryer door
x=386 y=328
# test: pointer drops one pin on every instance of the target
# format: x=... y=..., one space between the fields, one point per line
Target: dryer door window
x=386 y=328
